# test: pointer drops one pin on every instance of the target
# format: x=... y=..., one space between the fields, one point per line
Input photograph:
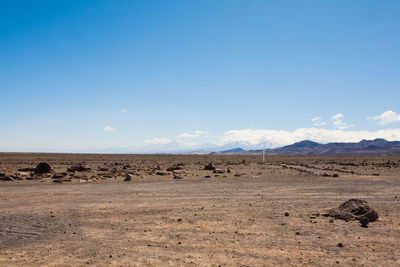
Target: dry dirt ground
x=234 y=218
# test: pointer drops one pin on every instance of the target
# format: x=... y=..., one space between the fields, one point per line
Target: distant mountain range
x=307 y=147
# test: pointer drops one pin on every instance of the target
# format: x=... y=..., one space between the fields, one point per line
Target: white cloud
x=158 y=141
x=387 y=117
x=281 y=138
x=124 y=110
x=338 y=122
x=338 y=116
x=317 y=121
x=196 y=133
x=109 y=129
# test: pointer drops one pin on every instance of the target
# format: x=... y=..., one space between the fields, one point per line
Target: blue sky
x=88 y=75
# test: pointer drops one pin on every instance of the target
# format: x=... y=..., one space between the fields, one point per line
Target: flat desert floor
x=173 y=212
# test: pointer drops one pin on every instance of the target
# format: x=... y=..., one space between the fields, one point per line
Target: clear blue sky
x=68 y=68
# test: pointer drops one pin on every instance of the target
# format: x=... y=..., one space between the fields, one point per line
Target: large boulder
x=43 y=167
x=354 y=209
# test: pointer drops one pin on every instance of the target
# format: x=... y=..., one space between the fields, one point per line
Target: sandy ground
x=223 y=220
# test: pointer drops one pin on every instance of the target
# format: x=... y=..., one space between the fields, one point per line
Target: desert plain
x=178 y=210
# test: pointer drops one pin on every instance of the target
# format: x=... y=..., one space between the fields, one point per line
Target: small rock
x=340 y=245
x=43 y=167
x=209 y=167
x=286 y=214
x=6 y=179
x=176 y=177
x=78 y=168
x=128 y=177
x=364 y=222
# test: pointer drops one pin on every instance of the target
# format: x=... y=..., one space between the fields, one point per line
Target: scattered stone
x=209 y=167
x=364 y=222
x=162 y=173
x=286 y=214
x=2 y=174
x=218 y=171
x=6 y=179
x=207 y=176
x=78 y=168
x=340 y=245
x=43 y=167
x=58 y=176
x=128 y=177
x=57 y=181
x=237 y=175
x=177 y=177
x=26 y=169
x=335 y=175
x=354 y=209
x=174 y=168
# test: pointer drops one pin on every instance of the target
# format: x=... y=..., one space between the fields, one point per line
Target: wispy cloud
x=124 y=110
x=158 y=141
x=195 y=134
x=317 y=121
x=338 y=122
x=109 y=129
x=387 y=117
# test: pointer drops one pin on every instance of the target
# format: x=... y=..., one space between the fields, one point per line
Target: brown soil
x=269 y=215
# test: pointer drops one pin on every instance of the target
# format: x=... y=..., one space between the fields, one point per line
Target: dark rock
x=78 y=168
x=162 y=173
x=6 y=179
x=43 y=167
x=176 y=176
x=286 y=214
x=237 y=175
x=364 y=222
x=354 y=209
x=340 y=245
x=2 y=174
x=174 y=168
x=209 y=167
x=335 y=175
x=128 y=177
x=57 y=181
x=207 y=176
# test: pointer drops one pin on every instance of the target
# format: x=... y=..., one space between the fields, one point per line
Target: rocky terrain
x=227 y=210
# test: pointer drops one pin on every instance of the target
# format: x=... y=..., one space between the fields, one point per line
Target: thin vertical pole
x=263 y=153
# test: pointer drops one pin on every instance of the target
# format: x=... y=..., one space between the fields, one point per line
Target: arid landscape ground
x=172 y=211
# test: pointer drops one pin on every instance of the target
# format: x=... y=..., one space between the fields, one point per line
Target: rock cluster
x=354 y=209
